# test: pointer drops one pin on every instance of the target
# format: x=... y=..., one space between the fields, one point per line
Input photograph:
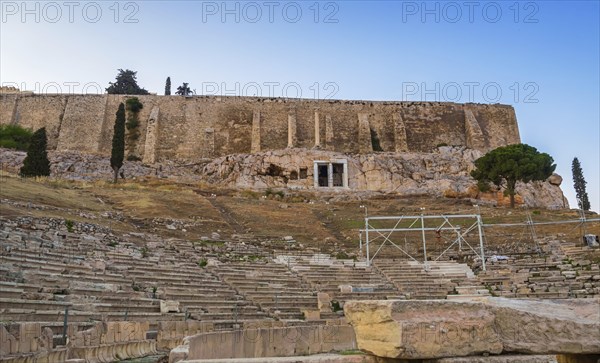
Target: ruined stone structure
x=191 y=128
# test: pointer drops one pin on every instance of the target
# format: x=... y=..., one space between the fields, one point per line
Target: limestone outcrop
x=435 y=329
x=443 y=173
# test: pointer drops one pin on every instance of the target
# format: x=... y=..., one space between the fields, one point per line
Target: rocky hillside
x=444 y=173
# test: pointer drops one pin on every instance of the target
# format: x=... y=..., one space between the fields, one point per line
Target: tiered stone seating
x=199 y=292
x=148 y=280
x=44 y=274
x=271 y=286
x=342 y=280
x=542 y=277
x=415 y=282
x=559 y=270
x=574 y=251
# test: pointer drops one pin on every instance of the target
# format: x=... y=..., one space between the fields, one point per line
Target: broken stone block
x=422 y=329
x=311 y=314
x=345 y=289
x=169 y=306
x=433 y=329
x=324 y=302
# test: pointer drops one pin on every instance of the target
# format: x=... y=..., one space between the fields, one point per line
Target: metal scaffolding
x=441 y=222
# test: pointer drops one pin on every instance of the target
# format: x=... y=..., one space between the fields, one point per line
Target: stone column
x=292 y=139
x=364 y=134
x=209 y=142
x=317 y=130
x=329 y=132
x=346 y=176
x=474 y=136
x=400 y=140
x=151 y=136
x=255 y=143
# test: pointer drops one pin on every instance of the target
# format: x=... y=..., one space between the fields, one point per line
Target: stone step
x=33 y=304
x=10 y=293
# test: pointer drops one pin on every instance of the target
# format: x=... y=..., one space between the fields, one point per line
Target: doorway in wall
x=331 y=174
x=323 y=175
x=337 y=174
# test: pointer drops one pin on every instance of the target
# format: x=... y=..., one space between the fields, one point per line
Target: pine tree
x=36 y=162
x=168 y=87
x=184 y=90
x=126 y=84
x=507 y=165
x=118 y=142
x=579 y=184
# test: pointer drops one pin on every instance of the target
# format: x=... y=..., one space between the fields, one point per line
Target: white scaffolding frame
x=444 y=225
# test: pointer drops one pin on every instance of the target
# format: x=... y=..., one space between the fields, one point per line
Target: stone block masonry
x=192 y=128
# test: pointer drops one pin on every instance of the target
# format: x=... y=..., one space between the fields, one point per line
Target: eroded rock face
x=439 y=328
x=443 y=173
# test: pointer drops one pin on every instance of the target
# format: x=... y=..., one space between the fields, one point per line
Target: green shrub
x=69 y=223
x=202 y=263
x=342 y=255
x=15 y=137
x=132 y=123
x=134 y=105
x=335 y=306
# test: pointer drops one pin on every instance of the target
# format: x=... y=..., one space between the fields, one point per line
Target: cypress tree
x=168 y=87
x=36 y=162
x=118 y=142
x=579 y=184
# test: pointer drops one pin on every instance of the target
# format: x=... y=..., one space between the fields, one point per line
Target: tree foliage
x=184 y=90
x=36 y=162
x=15 y=137
x=168 y=87
x=118 y=142
x=579 y=184
x=506 y=165
x=126 y=84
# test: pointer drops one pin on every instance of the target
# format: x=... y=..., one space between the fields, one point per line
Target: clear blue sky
x=542 y=57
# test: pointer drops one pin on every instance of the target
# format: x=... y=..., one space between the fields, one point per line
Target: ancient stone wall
x=272 y=342
x=103 y=342
x=190 y=128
